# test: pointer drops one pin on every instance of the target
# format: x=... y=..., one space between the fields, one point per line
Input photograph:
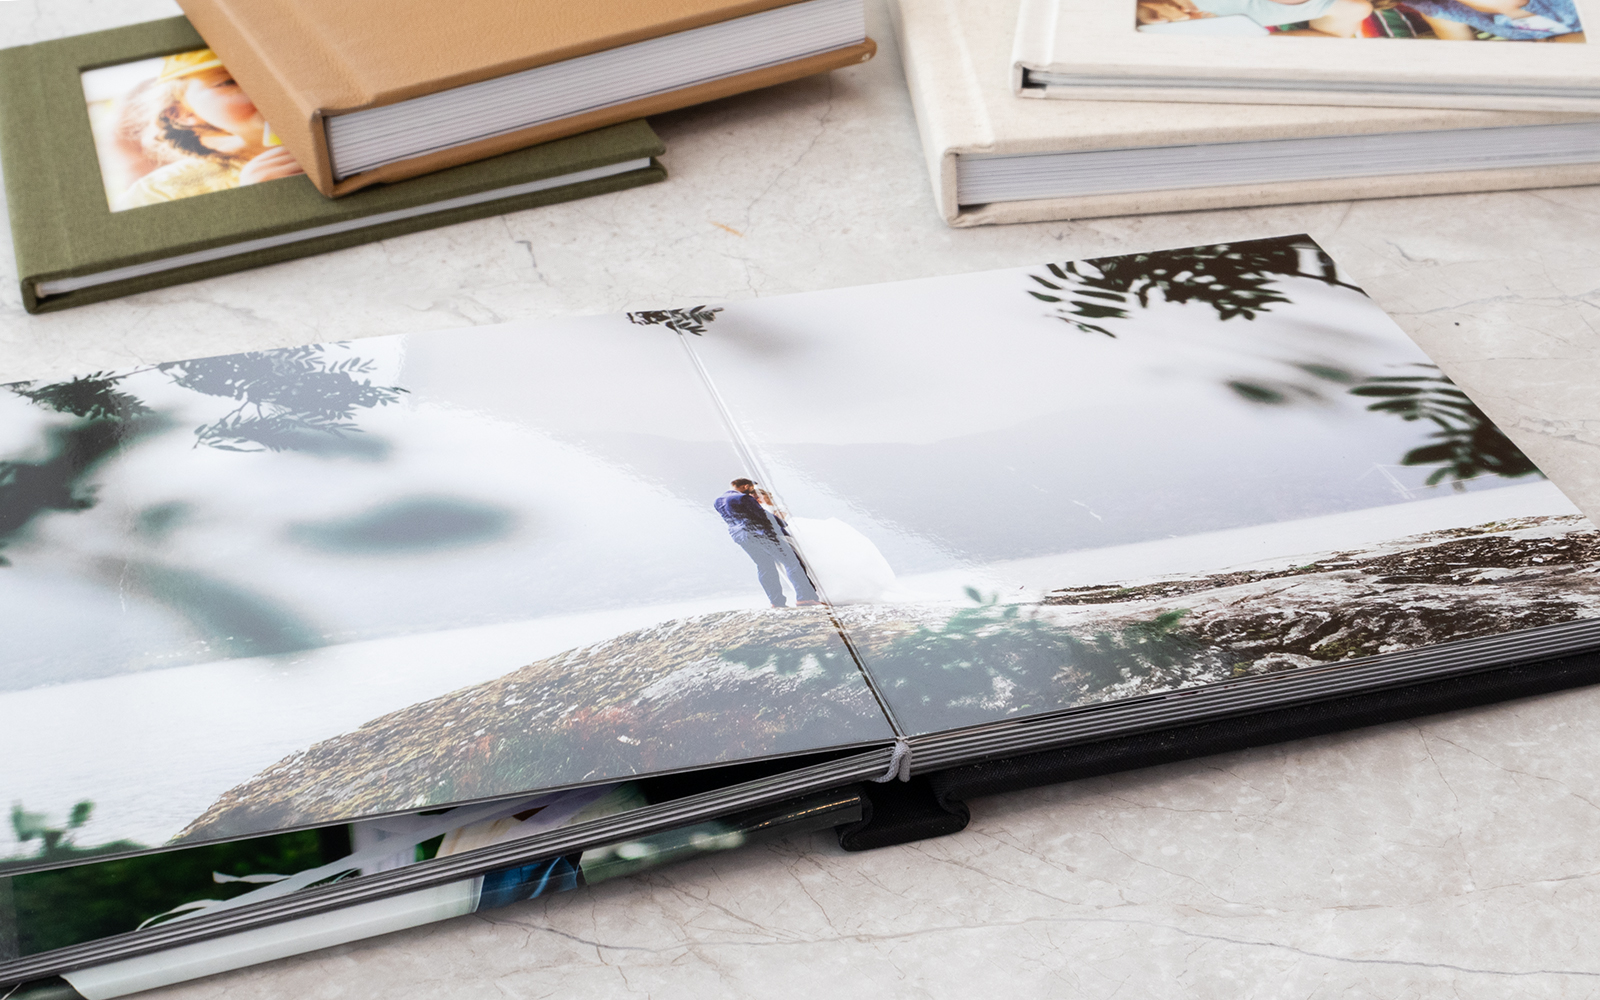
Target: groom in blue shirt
x=765 y=539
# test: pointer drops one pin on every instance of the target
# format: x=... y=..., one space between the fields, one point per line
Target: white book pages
x=61 y=286
x=368 y=139
x=984 y=179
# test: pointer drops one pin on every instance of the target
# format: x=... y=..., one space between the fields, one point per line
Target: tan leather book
x=365 y=91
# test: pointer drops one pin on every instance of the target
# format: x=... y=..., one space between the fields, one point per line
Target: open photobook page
x=298 y=587
x=962 y=516
x=1060 y=486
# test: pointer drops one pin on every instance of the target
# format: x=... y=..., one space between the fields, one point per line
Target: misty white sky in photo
x=956 y=420
x=532 y=451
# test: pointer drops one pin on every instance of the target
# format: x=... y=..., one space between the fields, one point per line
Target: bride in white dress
x=843 y=563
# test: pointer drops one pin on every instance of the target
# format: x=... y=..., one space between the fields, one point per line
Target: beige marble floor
x=1455 y=857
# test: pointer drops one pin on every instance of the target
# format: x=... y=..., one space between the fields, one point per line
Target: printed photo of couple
x=177 y=126
x=1448 y=20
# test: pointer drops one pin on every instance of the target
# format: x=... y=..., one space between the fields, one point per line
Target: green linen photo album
x=133 y=161
x=310 y=644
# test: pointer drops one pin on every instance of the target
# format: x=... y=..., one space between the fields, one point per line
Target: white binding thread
x=899 y=763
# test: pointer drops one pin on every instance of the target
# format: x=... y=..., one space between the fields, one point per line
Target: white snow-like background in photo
x=957 y=423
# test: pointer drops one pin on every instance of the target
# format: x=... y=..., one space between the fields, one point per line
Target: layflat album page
x=295 y=587
x=300 y=587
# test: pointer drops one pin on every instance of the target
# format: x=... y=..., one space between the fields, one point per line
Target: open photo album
x=435 y=622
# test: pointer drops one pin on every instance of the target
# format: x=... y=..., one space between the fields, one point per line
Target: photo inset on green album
x=177 y=126
x=1448 y=20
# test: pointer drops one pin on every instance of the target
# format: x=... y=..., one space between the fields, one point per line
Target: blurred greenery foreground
x=1244 y=281
x=55 y=841
x=301 y=399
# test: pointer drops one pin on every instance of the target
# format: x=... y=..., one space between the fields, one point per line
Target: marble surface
x=1452 y=857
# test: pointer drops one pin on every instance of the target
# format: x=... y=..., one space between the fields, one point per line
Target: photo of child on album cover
x=177 y=126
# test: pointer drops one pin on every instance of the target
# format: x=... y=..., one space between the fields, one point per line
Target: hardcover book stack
x=1056 y=109
x=355 y=637
x=283 y=109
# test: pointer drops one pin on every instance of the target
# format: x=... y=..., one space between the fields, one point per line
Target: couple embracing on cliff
x=764 y=536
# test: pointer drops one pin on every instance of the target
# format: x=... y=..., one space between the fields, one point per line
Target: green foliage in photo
x=993 y=652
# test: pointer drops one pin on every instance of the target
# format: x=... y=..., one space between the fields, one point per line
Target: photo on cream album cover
x=1444 y=20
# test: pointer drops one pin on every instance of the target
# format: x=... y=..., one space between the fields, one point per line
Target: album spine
x=1035 y=41
x=33 y=194
x=944 y=98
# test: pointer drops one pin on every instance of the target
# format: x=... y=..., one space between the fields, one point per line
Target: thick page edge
x=1014 y=773
x=653 y=174
x=297 y=935
x=1266 y=94
x=699 y=93
x=1245 y=696
x=423 y=875
x=1286 y=193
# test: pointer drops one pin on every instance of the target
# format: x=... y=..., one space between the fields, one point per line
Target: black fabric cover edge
x=898 y=812
x=934 y=805
x=1261 y=729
